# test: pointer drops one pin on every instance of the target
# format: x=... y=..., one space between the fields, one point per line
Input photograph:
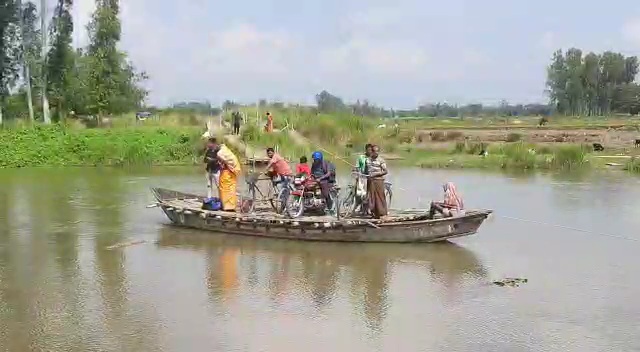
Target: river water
x=63 y=289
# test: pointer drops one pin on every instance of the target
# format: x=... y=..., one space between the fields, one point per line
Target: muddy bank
x=612 y=138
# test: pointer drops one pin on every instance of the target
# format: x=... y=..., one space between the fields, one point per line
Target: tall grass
x=633 y=165
x=58 y=145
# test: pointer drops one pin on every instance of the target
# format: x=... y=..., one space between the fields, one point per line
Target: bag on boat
x=229 y=159
x=361 y=186
x=212 y=203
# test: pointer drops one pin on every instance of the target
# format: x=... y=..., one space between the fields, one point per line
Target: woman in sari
x=228 y=178
x=452 y=204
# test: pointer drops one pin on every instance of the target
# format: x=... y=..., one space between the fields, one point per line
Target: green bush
x=57 y=145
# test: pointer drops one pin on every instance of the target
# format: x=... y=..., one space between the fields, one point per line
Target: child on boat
x=303 y=167
x=452 y=205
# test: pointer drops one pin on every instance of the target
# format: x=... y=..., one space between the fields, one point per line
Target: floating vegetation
x=511 y=282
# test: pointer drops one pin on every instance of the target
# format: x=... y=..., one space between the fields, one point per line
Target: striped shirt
x=377 y=165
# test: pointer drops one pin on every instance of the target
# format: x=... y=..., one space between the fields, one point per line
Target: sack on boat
x=361 y=187
x=229 y=159
x=212 y=203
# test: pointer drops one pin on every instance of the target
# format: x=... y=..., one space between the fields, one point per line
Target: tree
x=113 y=80
x=9 y=50
x=593 y=84
x=60 y=59
x=557 y=82
x=328 y=102
x=574 y=91
x=43 y=28
x=30 y=50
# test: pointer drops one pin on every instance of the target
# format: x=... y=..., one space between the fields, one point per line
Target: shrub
x=514 y=137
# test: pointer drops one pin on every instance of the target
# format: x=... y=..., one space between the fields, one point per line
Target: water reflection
x=322 y=271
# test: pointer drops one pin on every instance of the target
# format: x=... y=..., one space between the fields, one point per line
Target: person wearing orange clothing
x=269 y=125
x=278 y=166
x=228 y=178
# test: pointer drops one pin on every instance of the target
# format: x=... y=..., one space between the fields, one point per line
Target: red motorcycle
x=307 y=197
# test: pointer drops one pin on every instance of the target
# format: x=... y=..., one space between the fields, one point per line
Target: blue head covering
x=316 y=155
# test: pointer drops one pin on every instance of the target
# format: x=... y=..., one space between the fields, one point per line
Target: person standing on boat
x=362 y=159
x=212 y=167
x=376 y=170
x=361 y=168
x=278 y=166
x=230 y=170
x=324 y=174
x=452 y=204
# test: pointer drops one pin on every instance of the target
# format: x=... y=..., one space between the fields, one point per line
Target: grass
x=63 y=146
x=517 y=155
x=175 y=139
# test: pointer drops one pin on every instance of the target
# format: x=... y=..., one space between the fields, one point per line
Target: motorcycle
x=307 y=197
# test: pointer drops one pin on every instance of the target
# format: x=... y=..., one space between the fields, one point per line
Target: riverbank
x=340 y=138
x=58 y=145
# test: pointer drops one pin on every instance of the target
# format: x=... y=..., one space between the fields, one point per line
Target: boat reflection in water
x=293 y=277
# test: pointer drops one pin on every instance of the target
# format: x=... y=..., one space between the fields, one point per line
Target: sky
x=398 y=53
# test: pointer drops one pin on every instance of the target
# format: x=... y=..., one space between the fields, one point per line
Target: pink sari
x=451 y=198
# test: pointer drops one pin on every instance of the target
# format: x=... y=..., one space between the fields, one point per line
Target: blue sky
x=397 y=53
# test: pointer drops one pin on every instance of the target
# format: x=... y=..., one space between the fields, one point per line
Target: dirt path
x=298 y=139
x=235 y=141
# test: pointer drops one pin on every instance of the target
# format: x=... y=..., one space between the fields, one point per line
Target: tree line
x=43 y=77
x=593 y=84
x=332 y=104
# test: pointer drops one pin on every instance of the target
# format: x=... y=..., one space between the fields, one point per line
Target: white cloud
x=244 y=49
x=391 y=57
x=631 y=31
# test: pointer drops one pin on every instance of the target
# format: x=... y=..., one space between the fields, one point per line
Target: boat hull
x=403 y=230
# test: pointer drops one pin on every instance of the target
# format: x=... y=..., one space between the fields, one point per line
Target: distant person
x=323 y=172
x=452 y=204
x=277 y=166
x=212 y=165
x=228 y=184
x=269 y=126
x=376 y=170
x=303 y=168
x=237 y=120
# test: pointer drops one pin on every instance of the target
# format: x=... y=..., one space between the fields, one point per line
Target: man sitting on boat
x=452 y=205
x=277 y=166
x=323 y=172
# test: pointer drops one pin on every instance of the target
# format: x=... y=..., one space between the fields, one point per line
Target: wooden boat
x=405 y=226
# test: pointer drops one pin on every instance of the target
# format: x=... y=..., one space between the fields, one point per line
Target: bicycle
x=275 y=195
x=354 y=203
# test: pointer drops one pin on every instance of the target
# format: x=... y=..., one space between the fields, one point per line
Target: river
x=63 y=289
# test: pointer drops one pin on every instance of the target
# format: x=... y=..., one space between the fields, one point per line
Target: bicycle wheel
x=295 y=206
x=350 y=203
x=388 y=192
x=272 y=194
x=336 y=203
x=279 y=204
x=252 y=196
